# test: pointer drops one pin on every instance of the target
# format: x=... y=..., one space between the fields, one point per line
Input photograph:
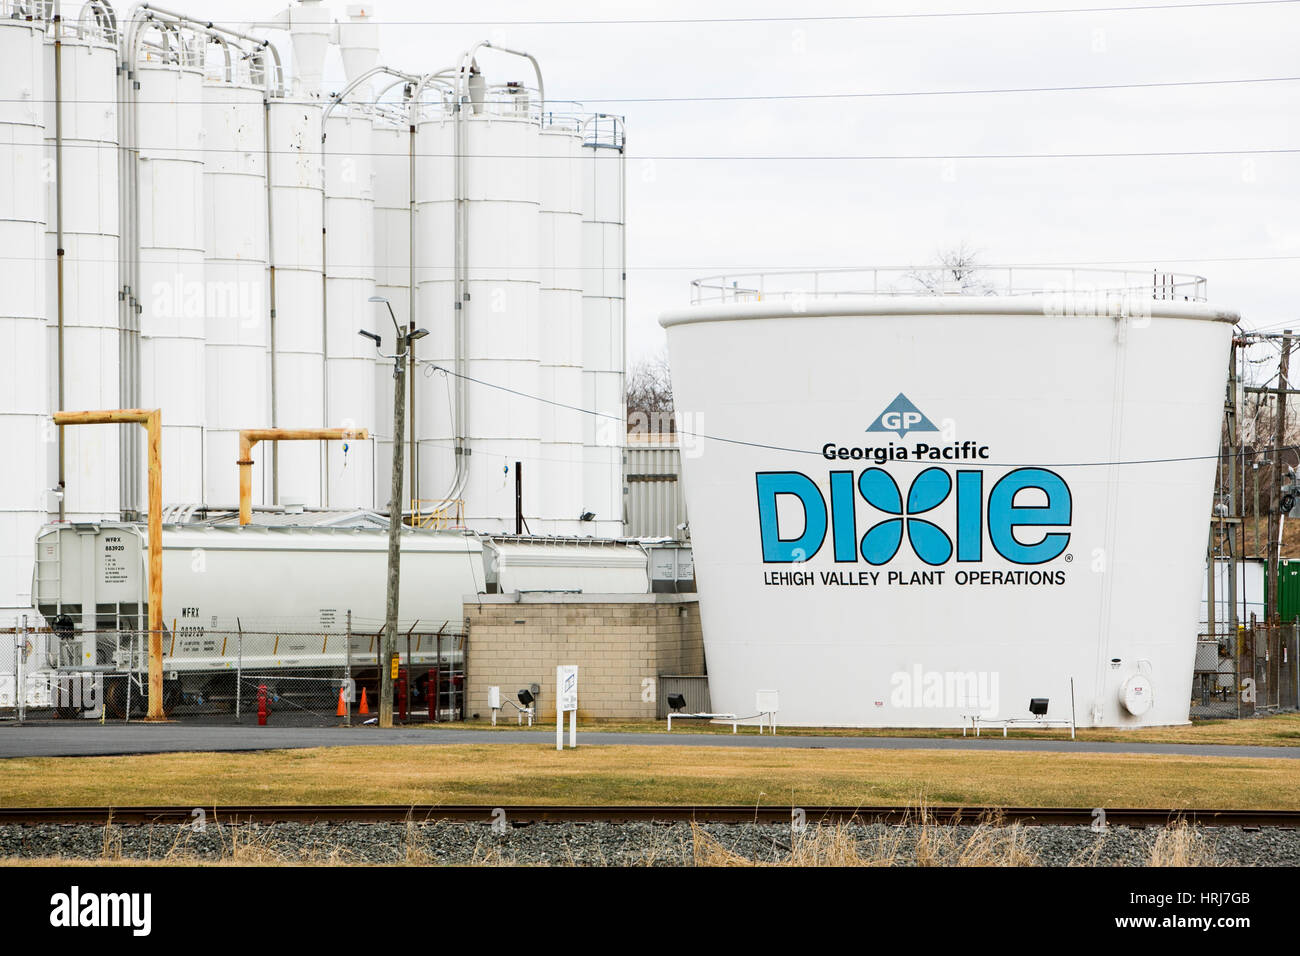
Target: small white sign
x=566 y=699
x=566 y=684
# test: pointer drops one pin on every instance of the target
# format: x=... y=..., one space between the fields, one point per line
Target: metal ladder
x=55 y=578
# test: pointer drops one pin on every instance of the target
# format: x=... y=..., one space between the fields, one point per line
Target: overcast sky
x=692 y=217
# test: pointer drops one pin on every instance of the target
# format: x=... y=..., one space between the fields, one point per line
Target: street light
x=389 y=653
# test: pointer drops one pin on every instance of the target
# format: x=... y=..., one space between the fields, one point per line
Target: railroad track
x=517 y=815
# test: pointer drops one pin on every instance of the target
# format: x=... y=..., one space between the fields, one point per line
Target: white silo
x=348 y=243
x=168 y=131
x=82 y=194
x=499 y=303
x=24 y=401
x=349 y=283
x=560 y=471
x=235 y=291
x=391 y=154
x=297 y=333
x=603 y=321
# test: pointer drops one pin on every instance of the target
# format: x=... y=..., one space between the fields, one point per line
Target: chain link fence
x=278 y=677
x=1256 y=671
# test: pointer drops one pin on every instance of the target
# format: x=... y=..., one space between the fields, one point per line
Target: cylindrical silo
x=297 y=335
x=501 y=199
x=171 y=132
x=236 y=297
x=24 y=410
x=560 y=470
x=603 y=322
x=435 y=392
x=89 y=378
x=390 y=141
x=919 y=511
x=349 y=283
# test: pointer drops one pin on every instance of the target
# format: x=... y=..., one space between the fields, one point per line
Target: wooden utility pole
x=387 y=658
x=1275 y=491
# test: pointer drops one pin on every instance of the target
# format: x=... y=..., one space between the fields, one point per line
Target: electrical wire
x=156 y=153
x=817 y=452
x=792 y=97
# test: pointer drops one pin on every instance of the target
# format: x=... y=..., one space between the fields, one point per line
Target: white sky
x=688 y=218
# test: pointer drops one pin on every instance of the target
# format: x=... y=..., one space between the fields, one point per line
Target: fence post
x=130 y=667
x=239 y=668
x=347 y=673
x=20 y=681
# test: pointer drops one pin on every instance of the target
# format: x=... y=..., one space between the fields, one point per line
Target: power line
x=817 y=452
x=199 y=151
x=766 y=97
x=827 y=18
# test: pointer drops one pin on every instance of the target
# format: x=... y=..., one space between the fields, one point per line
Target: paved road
x=64 y=740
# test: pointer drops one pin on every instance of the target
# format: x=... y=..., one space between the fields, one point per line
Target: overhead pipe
x=251 y=436
x=151 y=419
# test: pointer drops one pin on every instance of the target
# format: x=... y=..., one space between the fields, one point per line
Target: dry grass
x=1181 y=845
x=920 y=841
x=1279 y=730
x=505 y=774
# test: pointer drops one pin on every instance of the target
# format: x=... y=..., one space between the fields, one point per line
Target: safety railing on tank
x=946 y=280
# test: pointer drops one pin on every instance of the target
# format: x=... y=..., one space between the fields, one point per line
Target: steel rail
x=529 y=814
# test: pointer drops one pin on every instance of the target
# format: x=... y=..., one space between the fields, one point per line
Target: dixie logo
x=1016 y=532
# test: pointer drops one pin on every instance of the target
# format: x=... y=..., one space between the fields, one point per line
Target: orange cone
x=342 y=711
x=364 y=708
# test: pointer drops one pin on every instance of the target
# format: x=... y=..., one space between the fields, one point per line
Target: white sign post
x=566 y=699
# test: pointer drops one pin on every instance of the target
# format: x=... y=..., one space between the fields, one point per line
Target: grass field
x=1281 y=730
x=498 y=774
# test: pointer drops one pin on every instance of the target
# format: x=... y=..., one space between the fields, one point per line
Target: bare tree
x=650 y=395
x=959 y=271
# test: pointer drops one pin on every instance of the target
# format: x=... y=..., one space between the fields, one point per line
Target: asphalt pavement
x=67 y=739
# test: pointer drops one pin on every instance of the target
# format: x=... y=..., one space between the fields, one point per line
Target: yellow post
x=151 y=419
x=251 y=436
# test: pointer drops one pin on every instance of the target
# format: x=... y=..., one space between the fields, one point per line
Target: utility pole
x=1275 y=490
x=388 y=647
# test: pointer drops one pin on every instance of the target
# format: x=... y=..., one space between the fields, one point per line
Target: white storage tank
x=24 y=399
x=499 y=311
x=349 y=283
x=560 y=470
x=604 y=321
x=935 y=506
x=238 y=337
x=91 y=367
x=391 y=148
x=174 y=319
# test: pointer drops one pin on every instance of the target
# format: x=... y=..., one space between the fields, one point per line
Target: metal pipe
x=58 y=230
x=249 y=437
x=151 y=419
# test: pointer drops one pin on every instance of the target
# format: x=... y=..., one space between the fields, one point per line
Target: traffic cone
x=342 y=711
x=364 y=708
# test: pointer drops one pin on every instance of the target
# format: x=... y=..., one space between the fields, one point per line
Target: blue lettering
x=1005 y=516
x=780 y=550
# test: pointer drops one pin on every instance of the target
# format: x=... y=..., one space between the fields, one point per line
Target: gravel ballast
x=585 y=844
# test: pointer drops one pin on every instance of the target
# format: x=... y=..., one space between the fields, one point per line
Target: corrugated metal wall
x=694 y=688
x=655 y=506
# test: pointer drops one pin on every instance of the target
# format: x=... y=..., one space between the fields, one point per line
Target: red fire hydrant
x=262 y=708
